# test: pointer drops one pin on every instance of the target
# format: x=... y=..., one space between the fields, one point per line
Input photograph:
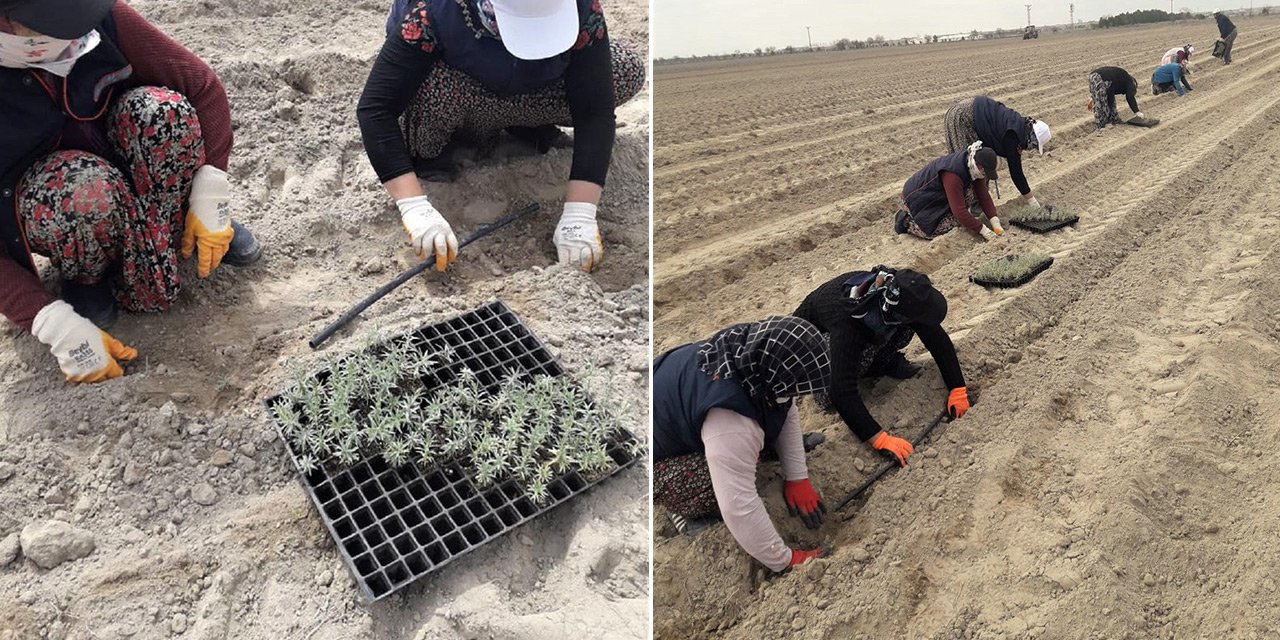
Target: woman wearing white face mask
x=477 y=67
x=933 y=200
x=106 y=174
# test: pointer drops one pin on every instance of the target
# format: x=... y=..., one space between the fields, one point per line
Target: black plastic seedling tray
x=1010 y=284
x=1045 y=226
x=393 y=526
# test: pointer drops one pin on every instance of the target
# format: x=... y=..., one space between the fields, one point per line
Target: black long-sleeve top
x=1122 y=82
x=1225 y=25
x=829 y=309
x=1014 y=159
x=401 y=68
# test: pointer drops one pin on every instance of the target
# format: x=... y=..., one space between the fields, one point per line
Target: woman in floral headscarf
x=114 y=144
x=478 y=67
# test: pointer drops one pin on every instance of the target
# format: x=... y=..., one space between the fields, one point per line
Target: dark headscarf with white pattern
x=777 y=358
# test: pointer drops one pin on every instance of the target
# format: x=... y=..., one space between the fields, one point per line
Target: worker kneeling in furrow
x=868 y=318
x=1170 y=77
x=114 y=148
x=716 y=405
x=933 y=200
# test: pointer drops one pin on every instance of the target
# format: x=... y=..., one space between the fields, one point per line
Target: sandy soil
x=120 y=460
x=1117 y=480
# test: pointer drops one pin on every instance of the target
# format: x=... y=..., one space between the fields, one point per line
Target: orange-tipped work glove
x=85 y=353
x=208 y=229
x=893 y=444
x=429 y=232
x=958 y=402
x=799 y=556
x=804 y=501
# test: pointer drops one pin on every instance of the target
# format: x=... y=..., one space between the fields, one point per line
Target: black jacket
x=828 y=308
x=1225 y=25
x=1122 y=83
x=416 y=42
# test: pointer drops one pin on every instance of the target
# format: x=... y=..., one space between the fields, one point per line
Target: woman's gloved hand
x=958 y=402
x=428 y=231
x=208 y=229
x=577 y=237
x=85 y=353
x=801 y=556
x=900 y=448
x=803 y=500
x=996 y=227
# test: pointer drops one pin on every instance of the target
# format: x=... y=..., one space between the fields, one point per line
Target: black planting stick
x=893 y=464
x=413 y=271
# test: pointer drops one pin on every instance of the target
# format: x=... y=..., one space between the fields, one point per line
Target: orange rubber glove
x=208 y=229
x=85 y=353
x=893 y=444
x=958 y=402
x=803 y=500
x=799 y=557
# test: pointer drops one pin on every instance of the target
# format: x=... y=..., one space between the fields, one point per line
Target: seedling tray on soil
x=1045 y=226
x=1013 y=282
x=393 y=526
x=1143 y=122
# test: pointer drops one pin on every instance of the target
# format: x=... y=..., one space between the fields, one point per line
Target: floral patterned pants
x=451 y=102
x=682 y=485
x=96 y=221
x=945 y=225
x=1104 y=104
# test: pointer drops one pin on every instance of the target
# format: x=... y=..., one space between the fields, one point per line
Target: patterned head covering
x=775 y=359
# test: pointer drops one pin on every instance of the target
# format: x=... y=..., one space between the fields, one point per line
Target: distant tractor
x=1030 y=32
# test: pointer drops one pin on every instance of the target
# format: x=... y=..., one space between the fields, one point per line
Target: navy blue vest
x=682 y=396
x=34 y=110
x=992 y=120
x=923 y=192
x=483 y=58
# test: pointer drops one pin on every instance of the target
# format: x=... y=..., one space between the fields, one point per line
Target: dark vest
x=483 y=59
x=682 y=396
x=35 y=109
x=923 y=192
x=992 y=120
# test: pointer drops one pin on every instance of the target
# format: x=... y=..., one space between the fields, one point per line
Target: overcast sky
x=700 y=27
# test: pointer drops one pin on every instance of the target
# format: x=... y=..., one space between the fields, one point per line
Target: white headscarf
x=43 y=52
x=974 y=172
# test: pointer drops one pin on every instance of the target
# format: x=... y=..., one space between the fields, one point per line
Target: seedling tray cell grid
x=1045 y=226
x=393 y=526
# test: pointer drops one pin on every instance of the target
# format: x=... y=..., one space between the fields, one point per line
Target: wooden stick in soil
x=410 y=273
x=893 y=464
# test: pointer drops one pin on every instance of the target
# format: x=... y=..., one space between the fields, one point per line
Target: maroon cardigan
x=157 y=61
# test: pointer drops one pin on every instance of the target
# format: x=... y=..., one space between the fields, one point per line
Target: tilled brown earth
x=1115 y=480
x=199 y=526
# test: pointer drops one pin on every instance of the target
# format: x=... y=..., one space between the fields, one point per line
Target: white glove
x=995 y=225
x=85 y=353
x=1031 y=200
x=208 y=225
x=577 y=237
x=1139 y=115
x=428 y=231
x=987 y=234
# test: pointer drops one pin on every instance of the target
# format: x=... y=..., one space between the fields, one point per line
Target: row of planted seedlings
x=418 y=451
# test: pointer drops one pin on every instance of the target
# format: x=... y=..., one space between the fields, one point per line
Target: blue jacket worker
x=1170 y=77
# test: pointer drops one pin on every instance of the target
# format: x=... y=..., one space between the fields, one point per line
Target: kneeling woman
x=933 y=200
x=716 y=405
x=477 y=67
x=114 y=146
